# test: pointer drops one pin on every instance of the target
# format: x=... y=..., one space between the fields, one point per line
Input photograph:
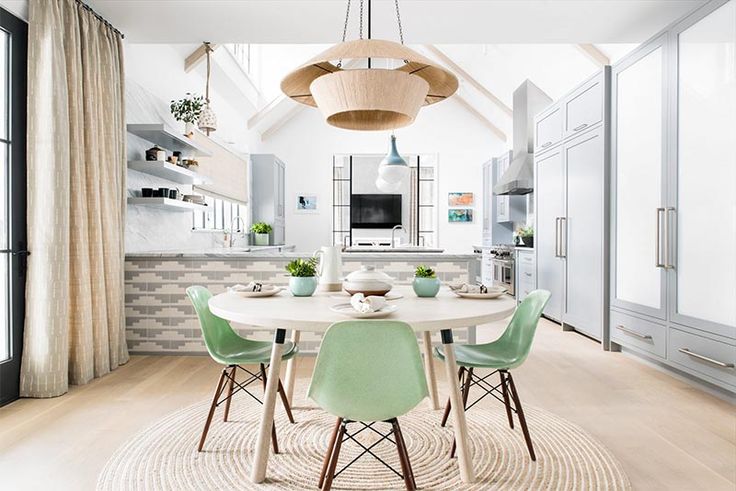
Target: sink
x=408 y=249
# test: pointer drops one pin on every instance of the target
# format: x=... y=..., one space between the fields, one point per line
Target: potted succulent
x=426 y=283
x=303 y=279
x=527 y=236
x=261 y=231
x=187 y=109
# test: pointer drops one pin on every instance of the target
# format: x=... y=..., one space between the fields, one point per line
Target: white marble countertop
x=272 y=252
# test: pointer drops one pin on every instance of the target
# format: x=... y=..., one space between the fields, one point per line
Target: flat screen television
x=375 y=210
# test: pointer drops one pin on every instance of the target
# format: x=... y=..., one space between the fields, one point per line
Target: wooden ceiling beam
x=198 y=56
x=594 y=54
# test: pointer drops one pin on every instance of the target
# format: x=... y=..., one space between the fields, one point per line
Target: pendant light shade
x=393 y=168
x=387 y=187
x=369 y=99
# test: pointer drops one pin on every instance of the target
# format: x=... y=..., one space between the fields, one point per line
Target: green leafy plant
x=423 y=271
x=302 y=268
x=525 y=232
x=261 y=228
x=187 y=109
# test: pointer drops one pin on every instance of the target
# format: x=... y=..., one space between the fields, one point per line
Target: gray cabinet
x=570 y=192
x=486 y=203
x=526 y=273
x=268 y=175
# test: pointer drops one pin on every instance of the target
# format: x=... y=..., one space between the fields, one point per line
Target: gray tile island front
x=161 y=320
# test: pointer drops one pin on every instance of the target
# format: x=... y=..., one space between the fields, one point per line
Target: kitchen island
x=161 y=320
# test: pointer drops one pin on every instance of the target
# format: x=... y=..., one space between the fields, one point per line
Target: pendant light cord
x=398 y=20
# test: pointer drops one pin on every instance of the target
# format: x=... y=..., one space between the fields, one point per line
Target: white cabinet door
x=549 y=195
x=704 y=276
x=503 y=211
x=487 y=196
x=582 y=231
x=584 y=108
x=548 y=129
x=638 y=145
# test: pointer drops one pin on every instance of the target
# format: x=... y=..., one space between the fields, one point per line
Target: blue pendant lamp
x=393 y=168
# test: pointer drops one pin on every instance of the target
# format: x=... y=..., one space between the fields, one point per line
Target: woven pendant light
x=207 y=118
x=369 y=99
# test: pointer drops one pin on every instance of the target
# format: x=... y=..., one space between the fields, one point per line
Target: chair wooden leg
x=230 y=385
x=506 y=401
x=446 y=414
x=334 y=458
x=328 y=452
x=285 y=401
x=466 y=391
x=522 y=419
x=274 y=441
x=409 y=481
x=213 y=406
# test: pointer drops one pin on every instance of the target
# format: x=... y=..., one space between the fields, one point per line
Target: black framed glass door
x=13 y=253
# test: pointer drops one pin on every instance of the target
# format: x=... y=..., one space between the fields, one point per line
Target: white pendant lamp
x=387 y=187
x=369 y=99
x=393 y=168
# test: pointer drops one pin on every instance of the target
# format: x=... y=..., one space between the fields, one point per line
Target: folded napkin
x=252 y=287
x=467 y=288
x=364 y=304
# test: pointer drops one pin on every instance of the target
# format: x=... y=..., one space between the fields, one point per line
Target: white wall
x=306 y=143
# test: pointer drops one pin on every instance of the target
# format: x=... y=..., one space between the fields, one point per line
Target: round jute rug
x=164 y=456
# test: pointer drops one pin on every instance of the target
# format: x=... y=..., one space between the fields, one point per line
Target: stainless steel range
x=504 y=269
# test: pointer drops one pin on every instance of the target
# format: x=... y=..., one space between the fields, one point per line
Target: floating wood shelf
x=167 y=138
x=167 y=204
x=168 y=171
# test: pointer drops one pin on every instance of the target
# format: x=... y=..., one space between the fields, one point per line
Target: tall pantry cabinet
x=673 y=220
x=571 y=208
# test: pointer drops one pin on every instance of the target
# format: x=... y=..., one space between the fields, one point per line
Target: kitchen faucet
x=393 y=231
x=231 y=241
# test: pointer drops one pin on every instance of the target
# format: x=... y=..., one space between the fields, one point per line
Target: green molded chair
x=507 y=352
x=368 y=372
x=227 y=348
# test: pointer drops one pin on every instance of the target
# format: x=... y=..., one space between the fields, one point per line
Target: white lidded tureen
x=368 y=281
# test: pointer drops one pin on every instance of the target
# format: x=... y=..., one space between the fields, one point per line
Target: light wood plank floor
x=668 y=434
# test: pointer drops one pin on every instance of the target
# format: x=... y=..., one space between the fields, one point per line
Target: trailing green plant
x=261 y=228
x=525 y=232
x=423 y=271
x=187 y=109
x=301 y=268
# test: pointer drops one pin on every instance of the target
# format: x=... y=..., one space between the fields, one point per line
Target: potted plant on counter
x=426 y=283
x=188 y=110
x=303 y=279
x=261 y=231
x=527 y=236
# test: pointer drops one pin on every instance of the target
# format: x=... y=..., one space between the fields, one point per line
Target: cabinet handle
x=633 y=333
x=657 y=246
x=563 y=237
x=578 y=128
x=546 y=144
x=528 y=274
x=557 y=237
x=705 y=358
x=667 y=263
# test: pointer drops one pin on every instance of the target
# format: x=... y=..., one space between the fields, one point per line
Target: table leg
x=260 y=460
x=429 y=367
x=459 y=425
x=291 y=371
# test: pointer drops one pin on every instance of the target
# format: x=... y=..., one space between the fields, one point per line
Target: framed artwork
x=306 y=203
x=459 y=215
x=460 y=199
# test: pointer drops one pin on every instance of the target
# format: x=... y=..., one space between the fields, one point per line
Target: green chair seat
x=490 y=355
x=251 y=352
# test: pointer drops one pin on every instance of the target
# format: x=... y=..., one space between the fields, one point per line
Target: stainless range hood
x=529 y=100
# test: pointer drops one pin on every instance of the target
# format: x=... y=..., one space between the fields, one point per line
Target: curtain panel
x=75 y=319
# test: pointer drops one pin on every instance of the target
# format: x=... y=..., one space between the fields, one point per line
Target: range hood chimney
x=529 y=100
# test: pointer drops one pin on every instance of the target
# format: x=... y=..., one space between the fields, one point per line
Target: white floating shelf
x=167 y=204
x=167 y=138
x=168 y=171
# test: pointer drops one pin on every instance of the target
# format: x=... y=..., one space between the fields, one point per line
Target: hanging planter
x=207 y=118
x=369 y=99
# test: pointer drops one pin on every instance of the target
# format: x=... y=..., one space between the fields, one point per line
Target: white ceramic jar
x=367 y=281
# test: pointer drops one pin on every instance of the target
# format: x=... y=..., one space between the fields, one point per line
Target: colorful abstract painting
x=459 y=215
x=460 y=199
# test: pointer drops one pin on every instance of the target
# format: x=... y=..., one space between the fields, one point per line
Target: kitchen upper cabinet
x=548 y=129
x=703 y=188
x=550 y=201
x=503 y=203
x=638 y=142
x=584 y=107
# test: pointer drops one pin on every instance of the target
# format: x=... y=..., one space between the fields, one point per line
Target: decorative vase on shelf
x=426 y=287
x=302 y=286
x=528 y=241
x=261 y=239
x=189 y=129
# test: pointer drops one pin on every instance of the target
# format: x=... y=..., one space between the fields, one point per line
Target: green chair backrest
x=216 y=331
x=368 y=371
x=519 y=334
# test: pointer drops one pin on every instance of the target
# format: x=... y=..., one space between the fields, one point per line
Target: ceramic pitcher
x=329 y=268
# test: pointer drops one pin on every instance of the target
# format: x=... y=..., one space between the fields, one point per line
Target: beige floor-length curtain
x=75 y=321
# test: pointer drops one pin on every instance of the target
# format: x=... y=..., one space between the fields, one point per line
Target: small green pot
x=426 y=287
x=303 y=286
x=261 y=239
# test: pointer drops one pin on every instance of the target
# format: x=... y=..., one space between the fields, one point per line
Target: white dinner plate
x=348 y=310
x=263 y=293
x=492 y=293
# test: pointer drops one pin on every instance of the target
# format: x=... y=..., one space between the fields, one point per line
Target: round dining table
x=284 y=311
